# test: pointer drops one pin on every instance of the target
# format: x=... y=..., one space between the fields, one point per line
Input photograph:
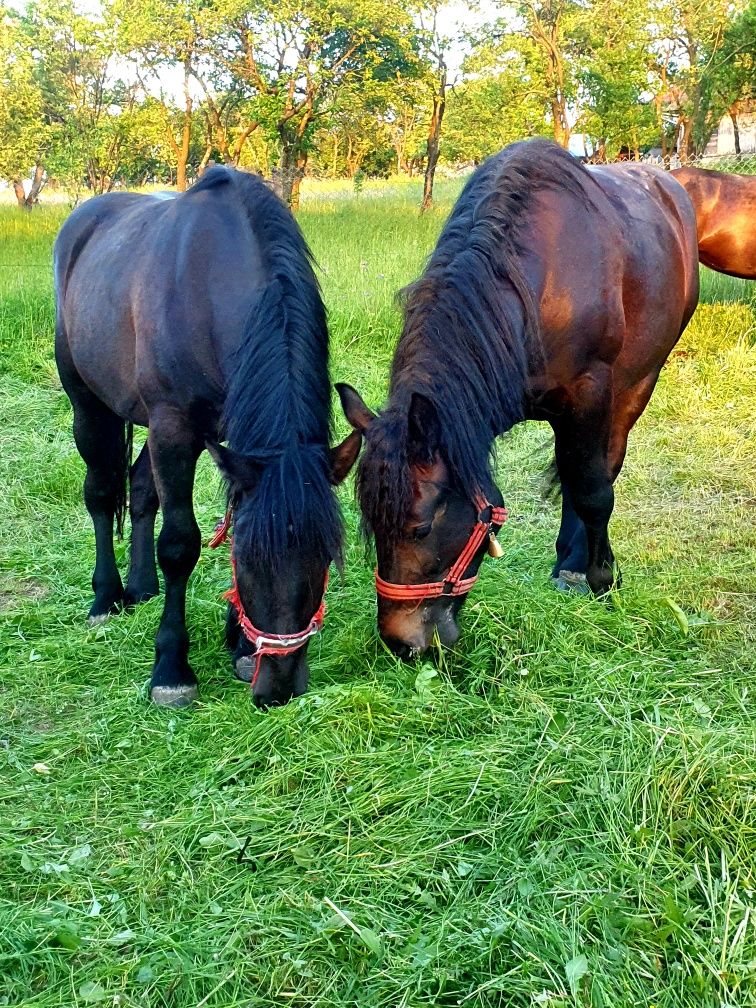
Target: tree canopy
x=153 y=91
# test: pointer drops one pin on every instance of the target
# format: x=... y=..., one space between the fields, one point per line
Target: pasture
x=560 y=812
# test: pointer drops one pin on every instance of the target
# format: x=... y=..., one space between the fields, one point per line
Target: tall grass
x=560 y=812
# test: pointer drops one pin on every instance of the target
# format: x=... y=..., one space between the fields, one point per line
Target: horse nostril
x=401 y=648
x=265 y=700
x=448 y=632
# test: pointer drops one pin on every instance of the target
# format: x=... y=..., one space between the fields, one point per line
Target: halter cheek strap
x=454 y=583
x=264 y=644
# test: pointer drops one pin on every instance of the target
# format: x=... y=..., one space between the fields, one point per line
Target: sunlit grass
x=561 y=812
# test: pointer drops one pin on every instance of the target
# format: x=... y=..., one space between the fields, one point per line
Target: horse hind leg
x=100 y=437
x=628 y=406
x=142 y=582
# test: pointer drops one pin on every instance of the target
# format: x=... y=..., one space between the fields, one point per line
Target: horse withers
x=725 y=207
x=200 y=318
x=555 y=293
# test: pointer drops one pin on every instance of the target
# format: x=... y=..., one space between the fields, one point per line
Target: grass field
x=562 y=812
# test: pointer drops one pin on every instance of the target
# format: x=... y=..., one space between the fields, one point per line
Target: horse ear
x=424 y=430
x=355 y=410
x=241 y=473
x=344 y=456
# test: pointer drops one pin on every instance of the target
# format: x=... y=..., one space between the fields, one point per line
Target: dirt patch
x=12 y=593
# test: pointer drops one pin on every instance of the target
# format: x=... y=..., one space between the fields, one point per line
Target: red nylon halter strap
x=454 y=583
x=264 y=643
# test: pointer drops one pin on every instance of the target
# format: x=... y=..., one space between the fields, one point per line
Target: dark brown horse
x=555 y=293
x=725 y=207
x=200 y=317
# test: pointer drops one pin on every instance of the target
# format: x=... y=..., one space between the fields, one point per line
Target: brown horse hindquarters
x=659 y=285
x=725 y=207
x=619 y=280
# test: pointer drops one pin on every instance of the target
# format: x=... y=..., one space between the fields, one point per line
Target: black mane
x=471 y=333
x=278 y=404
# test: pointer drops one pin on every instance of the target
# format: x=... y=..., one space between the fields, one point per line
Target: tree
x=161 y=37
x=82 y=99
x=615 y=107
x=688 y=57
x=551 y=39
x=729 y=83
x=24 y=135
x=295 y=56
x=351 y=129
x=489 y=110
x=435 y=55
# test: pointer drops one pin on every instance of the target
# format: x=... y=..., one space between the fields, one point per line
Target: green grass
x=561 y=812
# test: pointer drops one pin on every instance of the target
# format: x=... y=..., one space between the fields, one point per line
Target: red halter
x=264 y=644
x=454 y=583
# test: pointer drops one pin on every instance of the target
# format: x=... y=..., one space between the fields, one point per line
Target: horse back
x=152 y=296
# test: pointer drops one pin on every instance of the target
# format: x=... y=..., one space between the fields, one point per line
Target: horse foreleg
x=571 y=547
x=581 y=446
x=142 y=582
x=174 y=451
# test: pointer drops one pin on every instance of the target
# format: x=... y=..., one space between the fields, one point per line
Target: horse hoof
x=173 y=696
x=571 y=581
x=244 y=668
x=95 y=621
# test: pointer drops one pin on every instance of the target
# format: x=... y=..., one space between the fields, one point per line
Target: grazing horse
x=725 y=207
x=200 y=318
x=555 y=293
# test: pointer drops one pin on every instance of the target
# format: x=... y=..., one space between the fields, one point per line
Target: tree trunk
x=38 y=181
x=18 y=189
x=291 y=170
x=182 y=151
x=686 y=141
x=733 y=114
x=434 y=141
x=206 y=160
x=562 y=131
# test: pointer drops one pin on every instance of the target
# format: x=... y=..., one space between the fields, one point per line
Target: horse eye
x=422 y=531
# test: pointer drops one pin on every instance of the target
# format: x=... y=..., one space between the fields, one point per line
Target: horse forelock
x=384 y=479
x=292 y=507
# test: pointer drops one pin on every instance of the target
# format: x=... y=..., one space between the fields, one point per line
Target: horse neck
x=482 y=372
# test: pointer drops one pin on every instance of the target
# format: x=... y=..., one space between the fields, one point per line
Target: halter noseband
x=264 y=643
x=454 y=583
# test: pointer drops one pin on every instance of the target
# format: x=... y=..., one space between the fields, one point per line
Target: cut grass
x=561 y=812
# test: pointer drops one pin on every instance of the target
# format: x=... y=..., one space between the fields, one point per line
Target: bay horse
x=725 y=207
x=199 y=316
x=555 y=293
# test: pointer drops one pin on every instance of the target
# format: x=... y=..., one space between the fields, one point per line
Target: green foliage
x=24 y=134
x=485 y=113
x=154 y=90
x=697 y=64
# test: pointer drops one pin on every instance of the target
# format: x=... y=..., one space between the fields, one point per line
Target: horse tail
x=122 y=499
x=552 y=482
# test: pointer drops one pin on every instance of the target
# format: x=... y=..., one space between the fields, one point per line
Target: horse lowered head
x=430 y=535
x=280 y=567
